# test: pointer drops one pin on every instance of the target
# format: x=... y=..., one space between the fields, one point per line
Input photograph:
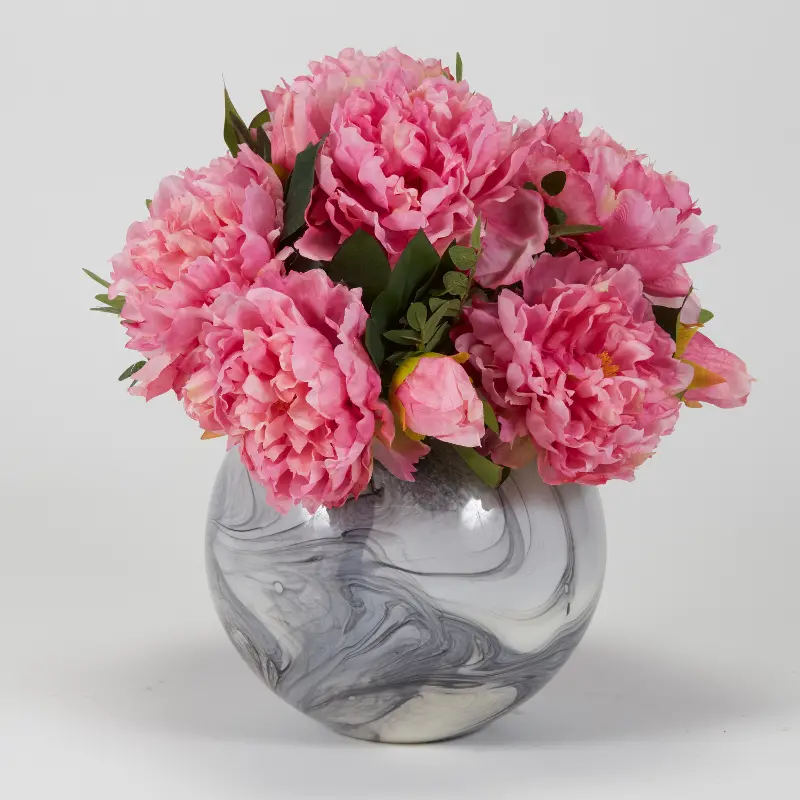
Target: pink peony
x=580 y=366
x=433 y=396
x=408 y=148
x=210 y=230
x=648 y=218
x=291 y=384
x=301 y=112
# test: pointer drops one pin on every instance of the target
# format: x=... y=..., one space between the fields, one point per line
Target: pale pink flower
x=579 y=365
x=733 y=392
x=408 y=149
x=433 y=396
x=210 y=230
x=648 y=218
x=291 y=384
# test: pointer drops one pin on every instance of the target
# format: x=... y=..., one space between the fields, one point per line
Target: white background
x=116 y=680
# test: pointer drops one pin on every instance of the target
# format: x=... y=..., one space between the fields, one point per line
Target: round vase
x=417 y=612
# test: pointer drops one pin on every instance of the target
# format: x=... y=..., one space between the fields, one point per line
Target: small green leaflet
x=416 y=315
x=530 y=185
x=489 y=417
x=433 y=342
x=554 y=216
x=705 y=316
x=260 y=119
x=106 y=309
x=475 y=236
x=148 y=203
x=298 y=193
x=132 y=370
x=361 y=261
x=554 y=182
x=557 y=231
x=463 y=257
x=402 y=337
x=96 y=278
x=486 y=470
x=456 y=282
x=414 y=267
x=117 y=302
x=446 y=309
x=459 y=68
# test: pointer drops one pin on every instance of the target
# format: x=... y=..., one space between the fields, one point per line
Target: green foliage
x=459 y=67
x=96 y=278
x=415 y=266
x=491 y=474
x=558 y=231
x=298 y=192
x=554 y=182
x=236 y=132
x=361 y=261
x=417 y=315
x=705 y=316
x=667 y=318
x=463 y=257
x=554 y=216
x=132 y=370
x=489 y=417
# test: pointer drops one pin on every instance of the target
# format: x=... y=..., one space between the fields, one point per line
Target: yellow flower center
x=610 y=369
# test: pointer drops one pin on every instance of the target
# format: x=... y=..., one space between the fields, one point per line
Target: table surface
x=116 y=679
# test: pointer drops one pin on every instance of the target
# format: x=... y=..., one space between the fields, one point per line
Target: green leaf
x=463 y=257
x=106 y=309
x=459 y=68
x=416 y=265
x=435 y=302
x=404 y=336
x=572 y=230
x=446 y=309
x=489 y=417
x=667 y=318
x=117 y=302
x=705 y=316
x=234 y=129
x=554 y=216
x=554 y=182
x=96 y=278
x=456 y=282
x=530 y=185
x=475 y=236
x=148 y=203
x=416 y=315
x=486 y=470
x=298 y=193
x=433 y=342
x=361 y=261
x=260 y=119
x=132 y=370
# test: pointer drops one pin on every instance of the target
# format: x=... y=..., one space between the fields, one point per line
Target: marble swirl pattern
x=420 y=611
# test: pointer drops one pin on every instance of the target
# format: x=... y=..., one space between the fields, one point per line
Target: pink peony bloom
x=579 y=365
x=408 y=148
x=433 y=396
x=648 y=218
x=301 y=112
x=209 y=231
x=291 y=384
x=730 y=393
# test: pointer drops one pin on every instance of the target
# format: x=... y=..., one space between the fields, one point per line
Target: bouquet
x=379 y=262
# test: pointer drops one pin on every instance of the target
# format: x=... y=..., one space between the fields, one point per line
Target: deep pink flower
x=290 y=383
x=433 y=396
x=580 y=366
x=408 y=148
x=210 y=230
x=648 y=218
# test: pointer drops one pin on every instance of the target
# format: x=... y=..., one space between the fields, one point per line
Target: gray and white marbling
x=420 y=611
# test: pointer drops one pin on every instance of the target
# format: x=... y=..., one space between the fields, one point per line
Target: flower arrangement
x=380 y=261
